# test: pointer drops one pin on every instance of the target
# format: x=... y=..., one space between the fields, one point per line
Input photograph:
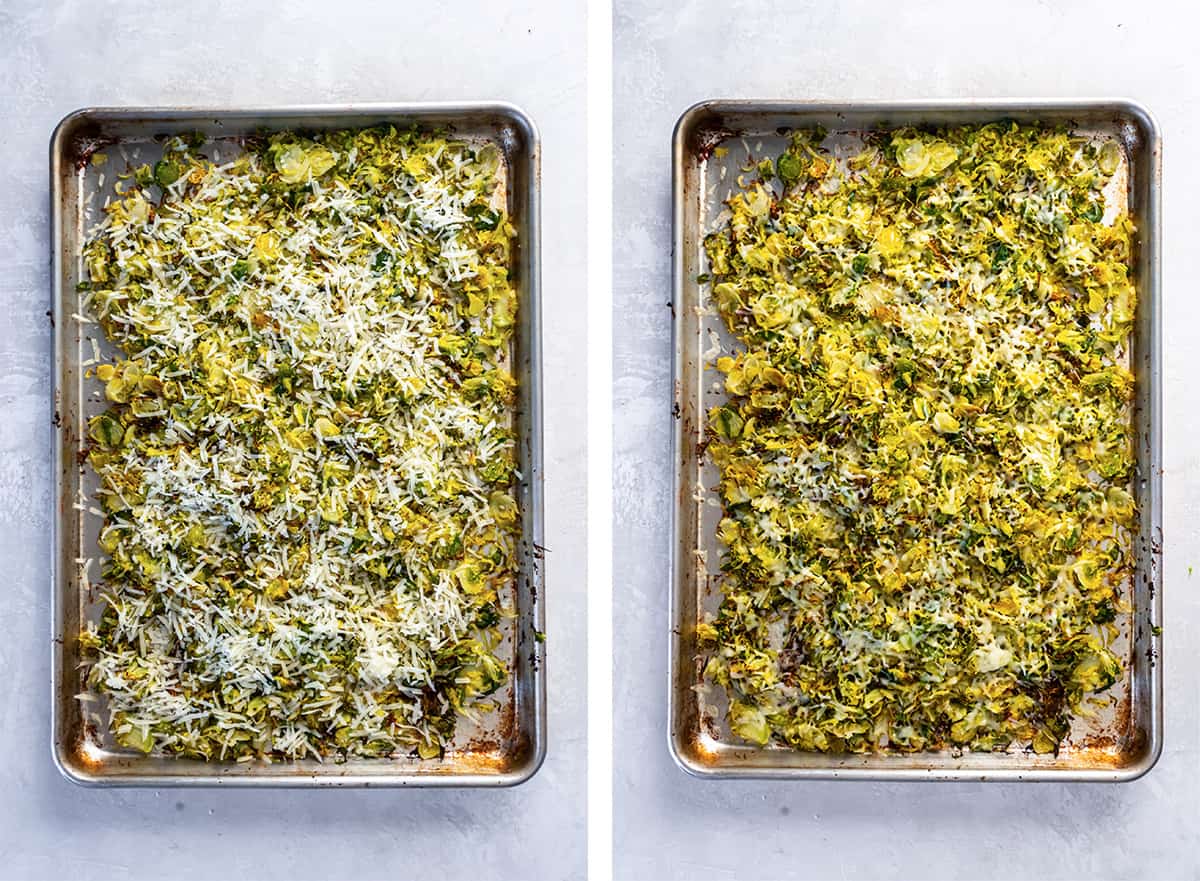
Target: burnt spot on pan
x=706 y=136
x=87 y=139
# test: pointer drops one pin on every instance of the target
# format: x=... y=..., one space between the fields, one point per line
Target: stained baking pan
x=506 y=747
x=1120 y=743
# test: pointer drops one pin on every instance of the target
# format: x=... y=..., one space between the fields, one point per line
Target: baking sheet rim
x=63 y=753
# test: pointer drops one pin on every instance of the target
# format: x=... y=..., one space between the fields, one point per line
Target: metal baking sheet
x=1121 y=743
x=508 y=745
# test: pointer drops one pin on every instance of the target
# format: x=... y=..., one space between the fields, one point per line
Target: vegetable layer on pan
x=926 y=451
x=307 y=462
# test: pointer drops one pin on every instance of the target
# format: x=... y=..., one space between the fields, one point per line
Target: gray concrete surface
x=55 y=57
x=669 y=56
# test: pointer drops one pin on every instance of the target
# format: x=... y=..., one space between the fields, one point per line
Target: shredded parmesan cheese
x=307 y=463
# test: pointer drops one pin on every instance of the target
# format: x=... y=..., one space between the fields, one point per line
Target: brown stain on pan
x=1116 y=745
x=706 y=136
x=501 y=749
x=87 y=138
x=697 y=746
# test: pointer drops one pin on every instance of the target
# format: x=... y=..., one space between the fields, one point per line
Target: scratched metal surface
x=1122 y=739
x=502 y=747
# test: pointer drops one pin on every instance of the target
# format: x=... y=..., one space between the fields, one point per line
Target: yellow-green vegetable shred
x=926 y=451
x=307 y=460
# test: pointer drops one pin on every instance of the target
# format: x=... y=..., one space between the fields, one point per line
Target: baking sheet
x=506 y=746
x=1119 y=743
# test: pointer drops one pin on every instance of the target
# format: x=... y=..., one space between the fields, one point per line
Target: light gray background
x=60 y=56
x=669 y=56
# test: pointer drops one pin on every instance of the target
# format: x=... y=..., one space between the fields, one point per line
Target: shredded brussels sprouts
x=926 y=452
x=308 y=461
